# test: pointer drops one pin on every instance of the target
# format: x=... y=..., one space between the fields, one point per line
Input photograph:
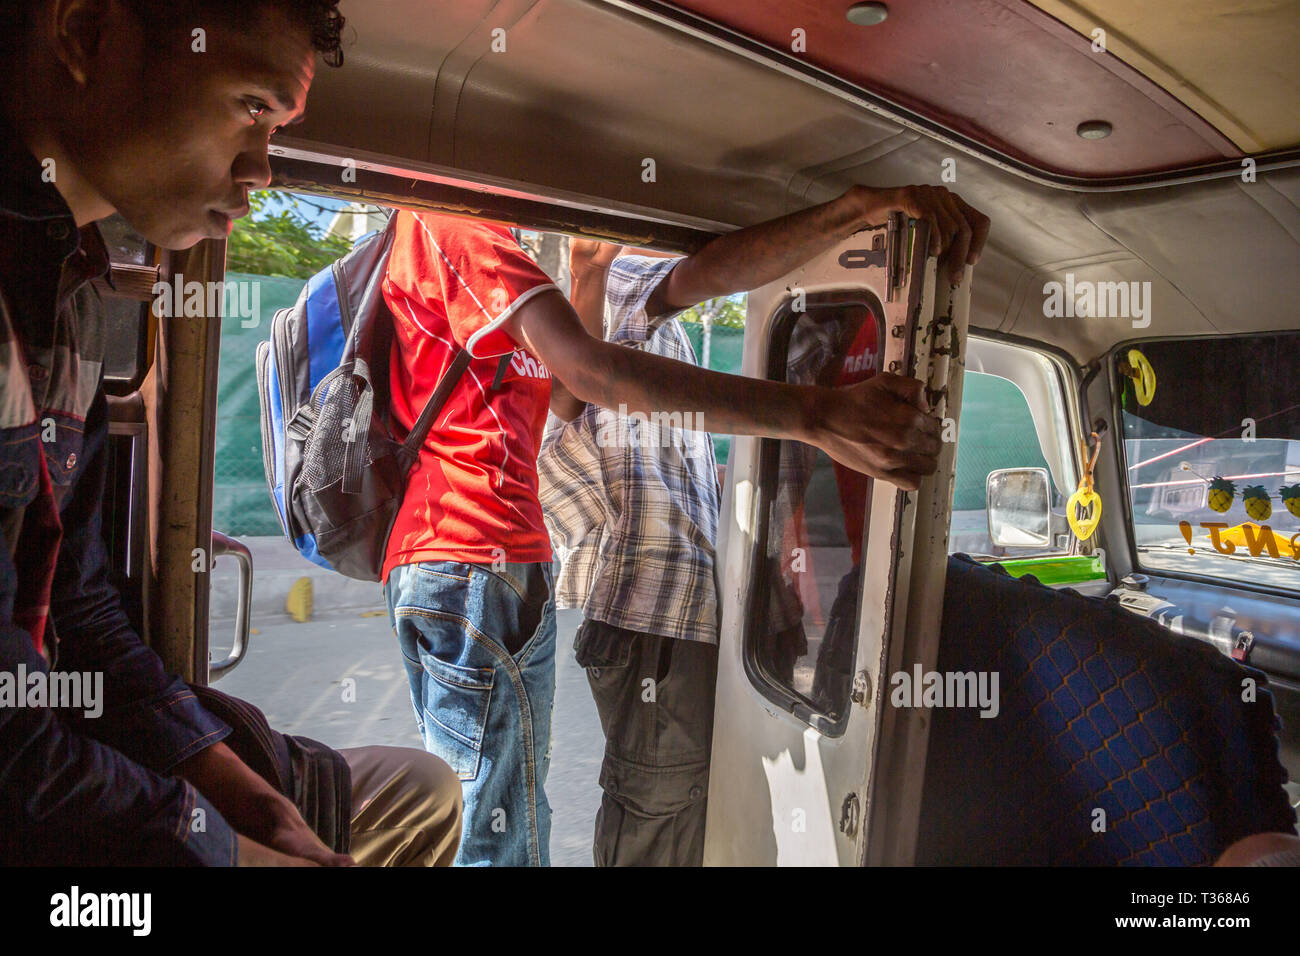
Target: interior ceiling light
x=867 y=14
x=1094 y=129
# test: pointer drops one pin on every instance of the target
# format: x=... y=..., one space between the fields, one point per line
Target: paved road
x=295 y=673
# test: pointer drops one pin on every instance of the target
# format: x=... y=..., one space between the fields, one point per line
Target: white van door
x=832 y=582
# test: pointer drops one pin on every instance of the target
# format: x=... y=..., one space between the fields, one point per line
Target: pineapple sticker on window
x=1291 y=498
x=1257 y=502
x=1220 y=494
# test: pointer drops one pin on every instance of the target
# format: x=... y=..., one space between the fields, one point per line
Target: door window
x=810 y=534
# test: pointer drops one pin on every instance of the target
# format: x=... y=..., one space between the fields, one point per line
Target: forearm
x=758 y=254
x=144 y=712
x=250 y=804
x=879 y=427
x=643 y=382
x=564 y=404
x=587 y=296
x=613 y=375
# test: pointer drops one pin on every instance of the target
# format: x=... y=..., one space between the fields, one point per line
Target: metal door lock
x=849 y=815
x=861 y=692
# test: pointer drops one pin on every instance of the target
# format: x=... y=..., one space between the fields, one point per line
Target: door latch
x=861 y=692
x=849 y=815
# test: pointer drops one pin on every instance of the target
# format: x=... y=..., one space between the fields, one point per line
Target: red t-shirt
x=472 y=496
x=860 y=364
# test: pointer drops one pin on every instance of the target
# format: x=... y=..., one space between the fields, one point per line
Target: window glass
x=997 y=431
x=126 y=319
x=1213 y=462
x=124 y=243
x=126 y=323
x=802 y=621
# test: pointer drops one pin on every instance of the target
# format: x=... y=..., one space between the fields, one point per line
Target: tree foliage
x=278 y=239
x=728 y=312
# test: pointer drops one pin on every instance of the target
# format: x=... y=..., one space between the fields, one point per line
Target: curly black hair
x=325 y=22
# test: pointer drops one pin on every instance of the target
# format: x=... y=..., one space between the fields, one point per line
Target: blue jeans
x=478 y=643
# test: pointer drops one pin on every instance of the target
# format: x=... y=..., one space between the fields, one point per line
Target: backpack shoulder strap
x=501 y=370
x=420 y=430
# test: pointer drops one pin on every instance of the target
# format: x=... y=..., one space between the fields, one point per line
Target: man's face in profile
x=171 y=126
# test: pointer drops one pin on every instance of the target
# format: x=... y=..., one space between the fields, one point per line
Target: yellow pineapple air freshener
x=1083 y=510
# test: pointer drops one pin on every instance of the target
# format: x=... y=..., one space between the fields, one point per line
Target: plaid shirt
x=631 y=502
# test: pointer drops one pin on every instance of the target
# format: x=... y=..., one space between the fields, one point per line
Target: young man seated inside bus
x=107 y=108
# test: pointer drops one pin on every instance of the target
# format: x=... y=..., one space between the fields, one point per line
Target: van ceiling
x=1232 y=61
x=585 y=91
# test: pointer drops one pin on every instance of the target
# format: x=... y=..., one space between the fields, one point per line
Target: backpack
x=335 y=469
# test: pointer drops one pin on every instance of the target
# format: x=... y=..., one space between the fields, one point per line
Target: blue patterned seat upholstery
x=1100 y=710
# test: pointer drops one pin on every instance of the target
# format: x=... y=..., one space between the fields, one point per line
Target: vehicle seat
x=1117 y=741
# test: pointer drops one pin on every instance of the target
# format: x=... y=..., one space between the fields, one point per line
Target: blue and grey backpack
x=336 y=470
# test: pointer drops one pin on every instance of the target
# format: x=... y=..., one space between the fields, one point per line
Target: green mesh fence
x=725 y=349
x=997 y=431
x=241 y=500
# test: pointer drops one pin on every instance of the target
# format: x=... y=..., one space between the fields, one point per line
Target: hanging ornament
x=1083 y=510
x=1135 y=365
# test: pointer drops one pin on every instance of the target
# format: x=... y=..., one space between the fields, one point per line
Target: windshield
x=1213 y=462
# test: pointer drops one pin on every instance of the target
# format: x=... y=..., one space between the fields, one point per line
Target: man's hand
x=290 y=834
x=252 y=853
x=756 y=255
x=879 y=427
x=253 y=807
x=957 y=229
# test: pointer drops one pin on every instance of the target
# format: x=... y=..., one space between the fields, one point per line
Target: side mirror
x=1019 y=507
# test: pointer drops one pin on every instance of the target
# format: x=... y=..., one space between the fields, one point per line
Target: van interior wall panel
x=383 y=97
x=180 y=395
x=632 y=87
x=1229 y=246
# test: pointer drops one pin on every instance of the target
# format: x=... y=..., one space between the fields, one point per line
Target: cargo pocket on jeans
x=654 y=792
x=596 y=646
x=455 y=713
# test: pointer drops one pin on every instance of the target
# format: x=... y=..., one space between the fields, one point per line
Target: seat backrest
x=1116 y=741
